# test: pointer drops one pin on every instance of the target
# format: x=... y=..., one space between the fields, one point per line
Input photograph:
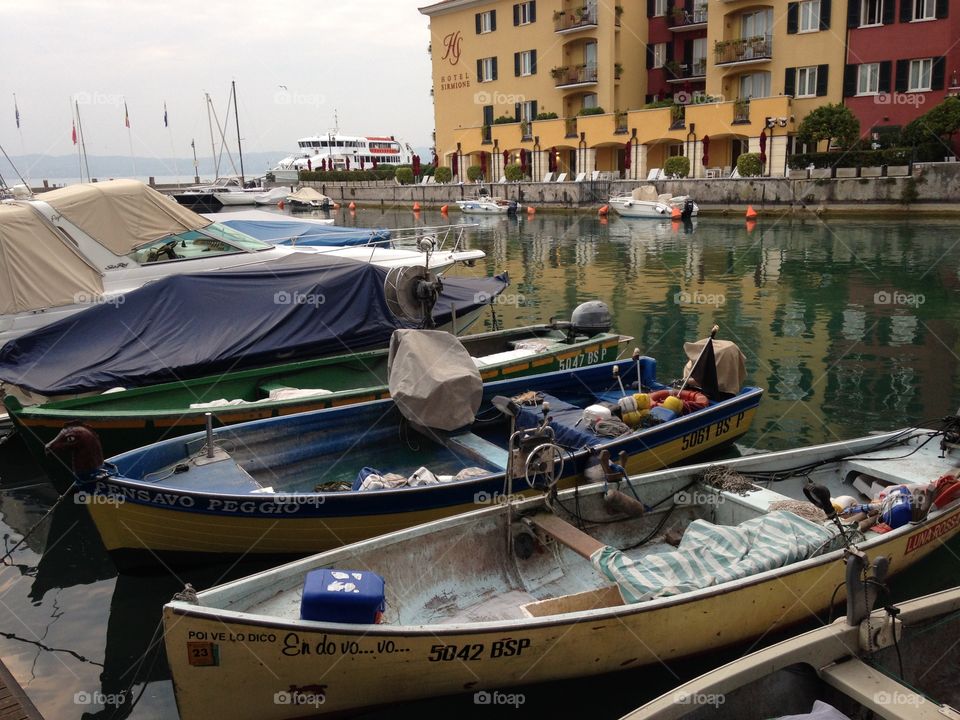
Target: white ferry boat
x=334 y=151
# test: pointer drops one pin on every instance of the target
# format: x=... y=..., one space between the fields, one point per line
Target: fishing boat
x=82 y=246
x=135 y=417
x=485 y=204
x=645 y=202
x=296 y=484
x=335 y=151
x=889 y=664
x=595 y=579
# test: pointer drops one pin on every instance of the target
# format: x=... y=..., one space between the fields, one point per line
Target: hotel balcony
x=743 y=51
x=574 y=77
x=574 y=20
x=690 y=72
x=685 y=21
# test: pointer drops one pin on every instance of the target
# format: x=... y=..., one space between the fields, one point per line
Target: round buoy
x=674 y=404
x=751 y=213
x=416 y=207
x=352 y=205
x=604 y=210
x=281 y=204
x=445 y=209
x=675 y=213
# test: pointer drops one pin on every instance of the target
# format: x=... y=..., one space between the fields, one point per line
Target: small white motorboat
x=271 y=196
x=644 y=202
x=224 y=192
x=307 y=197
x=484 y=204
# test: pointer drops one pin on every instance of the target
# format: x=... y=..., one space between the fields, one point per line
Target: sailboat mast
x=83 y=142
x=213 y=147
x=236 y=117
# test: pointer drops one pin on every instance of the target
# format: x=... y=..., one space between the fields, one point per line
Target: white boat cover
x=432 y=379
x=122 y=214
x=730 y=361
x=645 y=192
x=308 y=195
x=712 y=554
x=37 y=268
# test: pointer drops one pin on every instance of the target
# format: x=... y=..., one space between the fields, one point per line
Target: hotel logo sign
x=451 y=44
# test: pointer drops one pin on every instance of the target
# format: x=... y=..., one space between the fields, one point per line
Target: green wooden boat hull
x=136 y=417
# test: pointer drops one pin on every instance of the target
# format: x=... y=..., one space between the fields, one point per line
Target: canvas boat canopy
x=309 y=195
x=291 y=232
x=122 y=214
x=38 y=269
x=190 y=325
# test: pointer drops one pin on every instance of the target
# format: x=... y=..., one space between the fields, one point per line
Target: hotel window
x=920 y=75
x=589 y=101
x=525 y=13
x=699 y=57
x=871 y=12
x=810 y=16
x=754 y=85
x=486 y=21
x=659 y=55
x=528 y=110
x=923 y=9
x=756 y=24
x=487 y=69
x=659 y=7
x=868 y=79
x=525 y=63
x=806 y=82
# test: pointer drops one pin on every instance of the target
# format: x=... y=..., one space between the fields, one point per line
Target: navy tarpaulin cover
x=291 y=232
x=192 y=325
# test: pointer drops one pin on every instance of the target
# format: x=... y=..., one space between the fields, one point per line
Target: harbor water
x=850 y=326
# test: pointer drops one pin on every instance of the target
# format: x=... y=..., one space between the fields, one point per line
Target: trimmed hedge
x=513 y=173
x=404 y=175
x=677 y=166
x=474 y=173
x=383 y=172
x=851 y=158
x=443 y=174
x=748 y=165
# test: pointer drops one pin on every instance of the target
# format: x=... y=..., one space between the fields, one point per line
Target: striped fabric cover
x=712 y=554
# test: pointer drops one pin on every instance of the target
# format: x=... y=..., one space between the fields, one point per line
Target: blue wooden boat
x=291 y=485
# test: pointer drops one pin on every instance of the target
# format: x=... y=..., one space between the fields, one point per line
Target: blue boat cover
x=192 y=325
x=291 y=232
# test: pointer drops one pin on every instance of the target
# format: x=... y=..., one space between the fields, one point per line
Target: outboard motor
x=589 y=318
x=513 y=207
x=687 y=210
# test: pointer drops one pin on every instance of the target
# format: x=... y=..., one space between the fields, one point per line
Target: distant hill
x=41 y=167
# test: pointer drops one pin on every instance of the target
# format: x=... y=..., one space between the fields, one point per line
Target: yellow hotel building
x=618 y=86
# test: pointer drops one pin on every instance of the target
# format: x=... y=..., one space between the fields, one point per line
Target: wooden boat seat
x=606 y=596
x=563 y=532
x=477 y=448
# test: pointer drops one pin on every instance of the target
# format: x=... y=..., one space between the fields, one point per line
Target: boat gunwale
x=295 y=569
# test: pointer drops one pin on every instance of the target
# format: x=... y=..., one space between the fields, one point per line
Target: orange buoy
x=444 y=209
x=281 y=204
x=603 y=210
x=336 y=206
x=416 y=207
x=675 y=213
x=751 y=213
x=352 y=205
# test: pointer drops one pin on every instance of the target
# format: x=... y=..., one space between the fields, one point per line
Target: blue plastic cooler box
x=346 y=596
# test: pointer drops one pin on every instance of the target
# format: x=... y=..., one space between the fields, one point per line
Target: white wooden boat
x=507 y=596
x=644 y=202
x=900 y=668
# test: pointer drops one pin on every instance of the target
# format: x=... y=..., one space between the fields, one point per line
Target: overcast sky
x=366 y=59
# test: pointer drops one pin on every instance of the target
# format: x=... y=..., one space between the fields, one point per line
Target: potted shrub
x=591 y=111
x=513 y=172
x=617 y=70
x=443 y=174
x=547 y=116
x=474 y=173
x=748 y=165
x=679 y=15
x=672 y=67
x=559 y=72
x=524 y=128
x=677 y=167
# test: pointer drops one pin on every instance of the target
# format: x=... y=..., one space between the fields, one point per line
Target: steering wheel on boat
x=544 y=465
x=168 y=249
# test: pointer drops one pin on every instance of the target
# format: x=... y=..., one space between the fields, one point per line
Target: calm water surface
x=850 y=326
